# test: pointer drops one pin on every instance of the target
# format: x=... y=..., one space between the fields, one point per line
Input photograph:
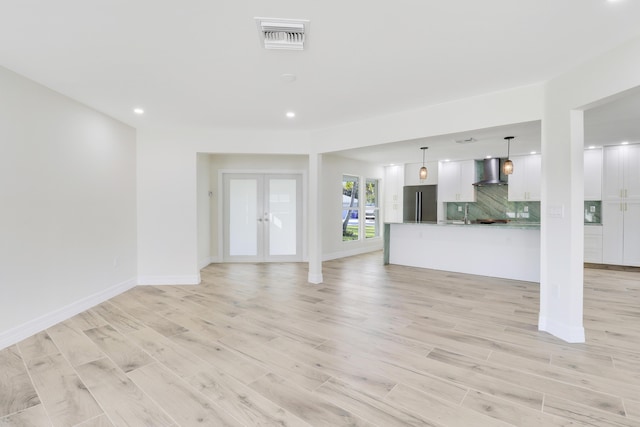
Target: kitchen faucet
x=466 y=213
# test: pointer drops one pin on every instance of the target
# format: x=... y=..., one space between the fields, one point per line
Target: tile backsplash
x=592 y=212
x=492 y=203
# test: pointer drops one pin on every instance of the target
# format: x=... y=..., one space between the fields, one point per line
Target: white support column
x=315 y=219
x=562 y=232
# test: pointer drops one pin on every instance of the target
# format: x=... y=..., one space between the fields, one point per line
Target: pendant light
x=423 y=169
x=507 y=167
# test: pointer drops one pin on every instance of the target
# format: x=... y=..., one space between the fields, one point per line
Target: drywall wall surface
x=205 y=205
x=333 y=168
x=517 y=105
x=68 y=204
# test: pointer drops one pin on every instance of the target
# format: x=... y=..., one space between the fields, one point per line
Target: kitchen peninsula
x=510 y=251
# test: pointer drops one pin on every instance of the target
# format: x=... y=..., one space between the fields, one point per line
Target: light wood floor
x=373 y=345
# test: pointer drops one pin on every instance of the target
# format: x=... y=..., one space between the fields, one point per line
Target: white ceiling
x=610 y=123
x=488 y=142
x=198 y=63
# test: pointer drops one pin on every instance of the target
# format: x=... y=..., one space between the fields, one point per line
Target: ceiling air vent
x=465 y=141
x=288 y=34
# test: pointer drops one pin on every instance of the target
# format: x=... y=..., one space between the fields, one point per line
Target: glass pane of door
x=243 y=217
x=282 y=215
x=262 y=217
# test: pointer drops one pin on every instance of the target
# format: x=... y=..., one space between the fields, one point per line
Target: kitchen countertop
x=518 y=225
x=513 y=224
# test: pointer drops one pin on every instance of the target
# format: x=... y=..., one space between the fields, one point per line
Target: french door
x=262 y=217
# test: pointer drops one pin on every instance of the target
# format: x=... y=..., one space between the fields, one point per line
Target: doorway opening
x=262 y=216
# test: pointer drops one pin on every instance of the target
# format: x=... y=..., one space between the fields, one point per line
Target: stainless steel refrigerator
x=420 y=203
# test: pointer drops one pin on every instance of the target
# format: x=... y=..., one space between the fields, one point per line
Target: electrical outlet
x=592 y=209
x=526 y=209
x=459 y=208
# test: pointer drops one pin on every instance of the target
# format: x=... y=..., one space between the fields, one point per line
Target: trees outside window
x=372 y=209
x=350 y=208
x=360 y=220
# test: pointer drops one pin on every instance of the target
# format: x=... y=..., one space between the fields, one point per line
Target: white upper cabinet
x=632 y=172
x=524 y=183
x=621 y=172
x=593 y=174
x=613 y=179
x=455 y=181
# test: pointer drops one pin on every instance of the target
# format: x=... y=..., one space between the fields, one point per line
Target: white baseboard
x=205 y=262
x=169 y=280
x=43 y=322
x=568 y=333
x=351 y=252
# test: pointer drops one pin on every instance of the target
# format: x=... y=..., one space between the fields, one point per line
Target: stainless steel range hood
x=491 y=174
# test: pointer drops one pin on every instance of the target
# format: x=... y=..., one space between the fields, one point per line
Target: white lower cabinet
x=621 y=232
x=593 y=244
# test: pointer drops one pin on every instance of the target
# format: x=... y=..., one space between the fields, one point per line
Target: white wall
x=68 y=207
x=205 y=208
x=517 y=105
x=333 y=168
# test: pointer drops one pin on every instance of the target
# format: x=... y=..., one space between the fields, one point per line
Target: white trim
x=355 y=251
x=169 y=280
x=568 y=333
x=45 y=321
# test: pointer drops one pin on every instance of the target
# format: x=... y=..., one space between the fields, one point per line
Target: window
x=372 y=210
x=360 y=220
x=350 y=208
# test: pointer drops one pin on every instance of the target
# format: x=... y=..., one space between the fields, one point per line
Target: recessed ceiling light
x=591 y=147
x=288 y=78
x=534 y=152
x=447 y=160
x=487 y=157
x=138 y=110
x=290 y=114
x=625 y=142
